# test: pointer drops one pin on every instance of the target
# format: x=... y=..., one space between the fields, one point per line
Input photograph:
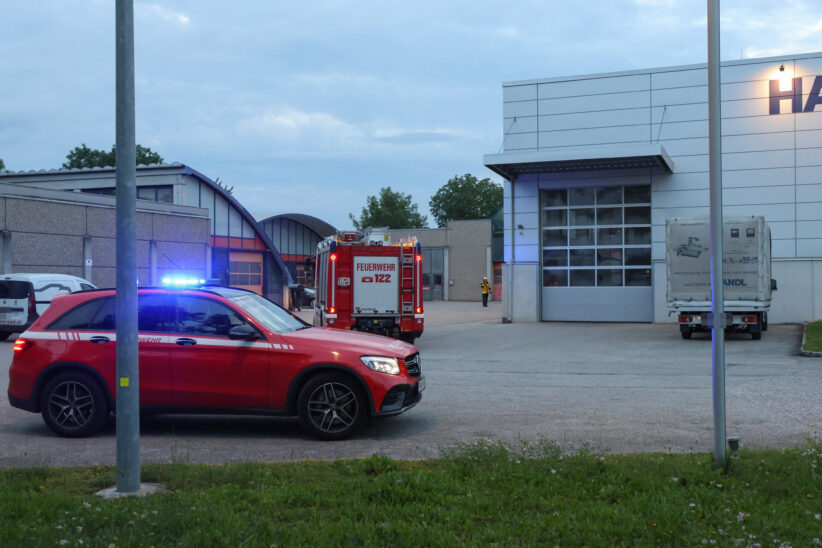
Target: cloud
x=416 y=137
x=335 y=79
x=158 y=12
x=289 y=123
x=656 y=3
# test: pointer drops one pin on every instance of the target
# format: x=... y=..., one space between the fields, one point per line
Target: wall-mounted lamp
x=785 y=78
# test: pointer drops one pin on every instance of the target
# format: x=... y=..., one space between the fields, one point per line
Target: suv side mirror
x=242 y=332
x=773 y=284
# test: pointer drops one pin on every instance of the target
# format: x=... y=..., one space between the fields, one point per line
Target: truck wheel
x=332 y=406
x=73 y=405
x=756 y=335
x=686 y=334
x=764 y=321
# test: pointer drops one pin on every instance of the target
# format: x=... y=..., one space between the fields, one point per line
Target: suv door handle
x=99 y=339
x=185 y=341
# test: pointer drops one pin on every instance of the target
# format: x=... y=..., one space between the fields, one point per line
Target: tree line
x=462 y=197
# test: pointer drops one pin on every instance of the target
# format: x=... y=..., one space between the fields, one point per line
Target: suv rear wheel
x=73 y=405
x=332 y=406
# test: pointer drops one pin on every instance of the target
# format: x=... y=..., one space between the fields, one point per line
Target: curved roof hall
x=244 y=213
x=166 y=168
x=320 y=227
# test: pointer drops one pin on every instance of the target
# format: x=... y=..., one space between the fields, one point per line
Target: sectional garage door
x=596 y=254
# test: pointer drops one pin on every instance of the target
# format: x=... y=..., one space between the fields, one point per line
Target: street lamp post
x=717 y=293
x=128 y=381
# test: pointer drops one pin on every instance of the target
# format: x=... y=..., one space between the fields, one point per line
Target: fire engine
x=366 y=283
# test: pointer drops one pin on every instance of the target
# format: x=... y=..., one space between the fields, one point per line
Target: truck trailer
x=366 y=283
x=746 y=265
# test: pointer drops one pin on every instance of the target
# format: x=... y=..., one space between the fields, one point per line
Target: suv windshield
x=273 y=317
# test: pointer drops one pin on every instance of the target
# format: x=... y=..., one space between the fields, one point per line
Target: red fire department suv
x=211 y=350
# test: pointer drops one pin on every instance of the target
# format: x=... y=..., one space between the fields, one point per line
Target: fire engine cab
x=366 y=283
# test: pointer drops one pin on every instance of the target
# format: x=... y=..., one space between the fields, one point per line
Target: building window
x=244 y=273
x=596 y=236
x=159 y=193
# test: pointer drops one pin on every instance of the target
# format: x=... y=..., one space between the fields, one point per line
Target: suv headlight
x=382 y=364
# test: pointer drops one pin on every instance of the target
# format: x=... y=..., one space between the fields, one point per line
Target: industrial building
x=51 y=231
x=239 y=252
x=454 y=259
x=594 y=165
x=295 y=236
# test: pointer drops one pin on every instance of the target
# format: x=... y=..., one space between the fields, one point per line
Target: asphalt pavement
x=611 y=387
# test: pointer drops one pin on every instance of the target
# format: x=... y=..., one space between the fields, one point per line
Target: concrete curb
x=802 y=351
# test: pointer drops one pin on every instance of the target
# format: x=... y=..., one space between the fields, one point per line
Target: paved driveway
x=616 y=387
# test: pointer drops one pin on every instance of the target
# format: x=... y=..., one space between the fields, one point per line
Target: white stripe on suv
x=148 y=339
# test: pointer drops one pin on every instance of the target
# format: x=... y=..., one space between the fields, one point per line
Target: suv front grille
x=412 y=363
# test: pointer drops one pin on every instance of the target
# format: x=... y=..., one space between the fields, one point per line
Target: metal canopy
x=511 y=165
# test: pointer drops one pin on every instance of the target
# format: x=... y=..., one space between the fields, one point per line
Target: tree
x=85 y=157
x=465 y=197
x=391 y=209
x=2 y=165
x=228 y=189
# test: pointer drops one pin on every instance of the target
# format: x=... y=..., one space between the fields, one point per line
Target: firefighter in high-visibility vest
x=485 y=288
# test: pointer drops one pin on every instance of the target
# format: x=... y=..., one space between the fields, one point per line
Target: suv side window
x=98 y=315
x=79 y=317
x=201 y=316
x=86 y=287
x=103 y=320
x=153 y=315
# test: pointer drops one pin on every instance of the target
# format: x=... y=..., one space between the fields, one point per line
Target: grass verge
x=478 y=495
x=813 y=337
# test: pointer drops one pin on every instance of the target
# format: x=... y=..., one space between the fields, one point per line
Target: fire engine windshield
x=269 y=314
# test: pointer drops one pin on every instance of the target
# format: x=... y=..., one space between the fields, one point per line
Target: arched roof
x=245 y=215
x=320 y=227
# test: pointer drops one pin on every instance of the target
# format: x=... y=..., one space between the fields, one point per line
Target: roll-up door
x=596 y=254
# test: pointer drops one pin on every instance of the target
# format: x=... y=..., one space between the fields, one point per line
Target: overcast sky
x=308 y=107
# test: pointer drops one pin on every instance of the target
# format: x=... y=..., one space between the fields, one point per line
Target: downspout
x=510 y=318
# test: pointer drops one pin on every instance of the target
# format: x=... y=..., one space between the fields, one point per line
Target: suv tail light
x=32 y=304
x=22 y=344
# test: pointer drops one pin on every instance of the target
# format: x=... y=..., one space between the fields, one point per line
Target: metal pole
x=717 y=293
x=128 y=381
x=511 y=266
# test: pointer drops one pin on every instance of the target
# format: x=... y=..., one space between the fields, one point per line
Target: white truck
x=746 y=265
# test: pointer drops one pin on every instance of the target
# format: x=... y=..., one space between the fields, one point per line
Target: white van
x=23 y=297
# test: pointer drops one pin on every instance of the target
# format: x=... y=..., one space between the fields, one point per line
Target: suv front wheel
x=73 y=405
x=332 y=406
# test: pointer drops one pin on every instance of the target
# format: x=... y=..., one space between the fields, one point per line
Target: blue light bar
x=182 y=282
